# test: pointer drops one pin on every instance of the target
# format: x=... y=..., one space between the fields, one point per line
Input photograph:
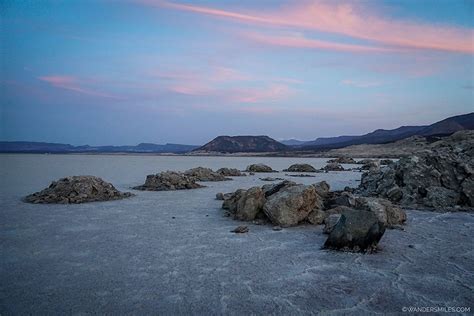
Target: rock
x=439 y=178
x=230 y=203
x=290 y=205
x=260 y=167
x=230 y=172
x=333 y=167
x=271 y=179
x=371 y=165
x=250 y=204
x=269 y=189
x=240 y=230
x=340 y=160
x=364 y=161
x=341 y=199
x=277 y=228
x=77 y=189
x=302 y=175
x=222 y=196
x=330 y=221
x=357 y=231
x=386 y=162
x=317 y=216
x=304 y=167
x=322 y=188
x=168 y=181
x=387 y=213
x=205 y=174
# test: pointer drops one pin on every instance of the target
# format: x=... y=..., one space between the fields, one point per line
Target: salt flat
x=132 y=256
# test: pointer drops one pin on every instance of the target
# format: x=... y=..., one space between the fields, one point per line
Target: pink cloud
x=354 y=20
x=302 y=42
x=73 y=84
x=274 y=92
x=360 y=84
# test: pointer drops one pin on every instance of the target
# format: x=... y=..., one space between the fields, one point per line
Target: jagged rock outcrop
x=301 y=167
x=355 y=230
x=440 y=178
x=342 y=160
x=230 y=172
x=169 y=181
x=205 y=174
x=259 y=167
x=77 y=189
x=372 y=165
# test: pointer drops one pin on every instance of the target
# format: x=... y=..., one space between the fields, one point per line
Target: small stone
x=240 y=230
x=277 y=228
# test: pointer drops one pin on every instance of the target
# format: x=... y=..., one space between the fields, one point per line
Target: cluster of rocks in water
x=440 y=178
x=173 y=180
x=353 y=223
x=77 y=189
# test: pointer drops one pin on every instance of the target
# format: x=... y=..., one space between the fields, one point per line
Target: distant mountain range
x=39 y=147
x=234 y=144
x=380 y=136
x=258 y=144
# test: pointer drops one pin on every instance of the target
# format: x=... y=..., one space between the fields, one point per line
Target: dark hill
x=233 y=144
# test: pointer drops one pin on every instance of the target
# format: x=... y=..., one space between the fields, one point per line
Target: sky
x=117 y=72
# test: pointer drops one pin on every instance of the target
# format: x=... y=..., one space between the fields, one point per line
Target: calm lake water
x=23 y=173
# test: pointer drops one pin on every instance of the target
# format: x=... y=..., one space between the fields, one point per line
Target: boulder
x=386 y=162
x=271 y=179
x=269 y=189
x=387 y=213
x=230 y=202
x=77 y=189
x=230 y=172
x=291 y=204
x=205 y=174
x=372 y=165
x=250 y=204
x=317 y=216
x=322 y=188
x=340 y=160
x=259 y=167
x=357 y=231
x=303 y=167
x=330 y=221
x=333 y=167
x=168 y=181
x=340 y=198
x=222 y=196
x=301 y=175
x=240 y=230
x=364 y=161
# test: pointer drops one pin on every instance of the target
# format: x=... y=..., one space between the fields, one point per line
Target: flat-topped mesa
x=236 y=144
x=168 y=181
x=77 y=189
x=205 y=174
x=259 y=167
x=301 y=167
x=440 y=178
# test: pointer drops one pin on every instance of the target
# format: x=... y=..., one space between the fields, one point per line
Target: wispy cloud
x=355 y=20
x=73 y=84
x=360 y=84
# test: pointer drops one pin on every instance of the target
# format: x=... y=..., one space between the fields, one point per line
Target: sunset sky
x=124 y=72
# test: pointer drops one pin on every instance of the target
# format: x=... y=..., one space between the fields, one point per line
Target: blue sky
x=130 y=71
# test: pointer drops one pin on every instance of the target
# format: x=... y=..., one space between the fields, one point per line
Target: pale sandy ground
x=132 y=256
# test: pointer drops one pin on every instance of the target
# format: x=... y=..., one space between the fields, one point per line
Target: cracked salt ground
x=133 y=256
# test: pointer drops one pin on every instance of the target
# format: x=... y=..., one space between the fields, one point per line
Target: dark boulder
x=168 y=181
